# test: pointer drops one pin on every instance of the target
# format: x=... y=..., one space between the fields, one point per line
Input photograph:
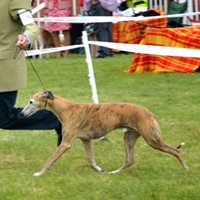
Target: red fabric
x=55 y=12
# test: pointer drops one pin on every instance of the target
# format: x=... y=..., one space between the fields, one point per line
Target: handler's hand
x=22 y=42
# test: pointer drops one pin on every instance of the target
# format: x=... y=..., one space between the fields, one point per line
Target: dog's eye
x=31 y=102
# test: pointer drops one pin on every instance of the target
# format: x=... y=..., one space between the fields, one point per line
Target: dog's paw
x=38 y=174
x=99 y=169
x=187 y=169
x=114 y=172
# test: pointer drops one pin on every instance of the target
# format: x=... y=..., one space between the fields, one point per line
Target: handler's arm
x=30 y=29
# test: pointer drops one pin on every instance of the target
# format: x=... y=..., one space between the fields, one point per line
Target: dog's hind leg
x=130 y=139
x=89 y=150
x=152 y=135
x=162 y=146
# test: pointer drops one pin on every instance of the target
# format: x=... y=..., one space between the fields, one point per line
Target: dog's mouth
x=29 y=114
x=24 y=114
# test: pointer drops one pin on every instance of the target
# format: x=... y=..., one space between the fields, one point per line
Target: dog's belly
x=90 y=135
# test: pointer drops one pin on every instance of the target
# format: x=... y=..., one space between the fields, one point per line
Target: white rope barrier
x=52 y=50
x=150 y=49
x=134 y=48
x=108 y=19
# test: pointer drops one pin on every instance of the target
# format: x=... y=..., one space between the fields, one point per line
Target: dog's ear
x=48 y=94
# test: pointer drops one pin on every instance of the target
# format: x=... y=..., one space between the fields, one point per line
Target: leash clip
x=17 y=50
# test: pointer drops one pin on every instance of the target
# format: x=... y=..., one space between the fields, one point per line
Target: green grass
x=172 y=97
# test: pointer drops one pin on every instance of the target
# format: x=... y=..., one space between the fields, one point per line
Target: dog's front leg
x=64 y=146
x=59 y=152
x=89 y=150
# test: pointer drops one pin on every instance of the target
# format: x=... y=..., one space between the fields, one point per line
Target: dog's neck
x=58 y=105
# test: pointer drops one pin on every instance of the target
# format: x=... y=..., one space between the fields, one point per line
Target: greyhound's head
x=37 y=102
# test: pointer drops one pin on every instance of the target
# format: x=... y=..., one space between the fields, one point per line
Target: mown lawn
x=172 y=97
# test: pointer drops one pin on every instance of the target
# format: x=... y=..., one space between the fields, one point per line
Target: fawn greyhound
x=91 y=121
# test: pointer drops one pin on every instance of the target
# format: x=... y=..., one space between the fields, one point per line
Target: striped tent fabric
x=131 y=32
x=186 y=37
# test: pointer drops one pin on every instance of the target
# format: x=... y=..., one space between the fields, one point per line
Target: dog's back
x=100 y=119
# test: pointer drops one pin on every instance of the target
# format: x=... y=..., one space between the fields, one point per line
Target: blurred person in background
x=103 y=31
x=59 y=8
x=89 y=28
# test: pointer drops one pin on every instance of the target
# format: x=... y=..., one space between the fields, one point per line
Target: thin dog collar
x=45 y=105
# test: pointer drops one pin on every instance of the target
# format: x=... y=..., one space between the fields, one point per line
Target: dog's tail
x=180 y=145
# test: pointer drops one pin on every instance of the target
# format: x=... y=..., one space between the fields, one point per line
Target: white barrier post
x=74 y=7
x=90 y=67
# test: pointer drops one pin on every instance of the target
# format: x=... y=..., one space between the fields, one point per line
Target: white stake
x=90 y=67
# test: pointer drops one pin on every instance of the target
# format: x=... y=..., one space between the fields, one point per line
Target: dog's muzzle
x=27 y=112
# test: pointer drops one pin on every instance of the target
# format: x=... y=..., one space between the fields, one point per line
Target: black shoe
x=100 y=56
x=59 y=133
